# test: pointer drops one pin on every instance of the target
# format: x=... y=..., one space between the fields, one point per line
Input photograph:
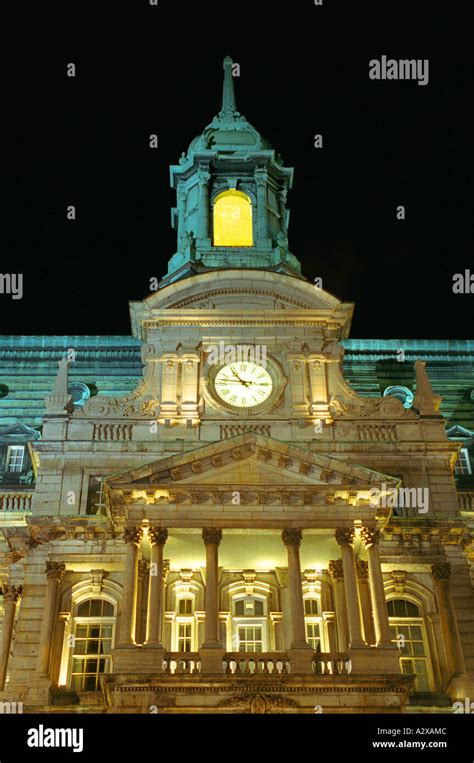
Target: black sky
x=304 y=70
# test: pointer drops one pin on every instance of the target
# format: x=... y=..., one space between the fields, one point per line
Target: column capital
x=441 y=571
x=133 y=535
x=336 y=570
x=12 y=592
x=344 y=536
x=291 y=536
x=55 y=570
x=370 y=537
x=143 y=568
x=158 y=535
x=362 y=569
x=212 y=535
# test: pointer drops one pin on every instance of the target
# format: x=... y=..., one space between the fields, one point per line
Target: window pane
x=96 y=607
x=83 y=609
x=258 y=607
x=239 y=607
x=108 y=609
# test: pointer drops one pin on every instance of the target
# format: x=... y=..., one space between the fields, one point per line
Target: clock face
x=243 y=384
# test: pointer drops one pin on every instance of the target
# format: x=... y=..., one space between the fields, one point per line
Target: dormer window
x=233 y=219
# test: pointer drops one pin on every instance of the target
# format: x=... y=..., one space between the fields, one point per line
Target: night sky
x=304 y=70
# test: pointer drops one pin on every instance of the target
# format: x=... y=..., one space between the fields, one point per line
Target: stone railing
x=333 y=664
x=181 y=662
x=15 y=501
x=377 y=432
x=466 y=500
x=258 y=663
x=113 y=432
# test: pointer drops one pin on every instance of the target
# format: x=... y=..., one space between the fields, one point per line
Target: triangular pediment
x=250 y=459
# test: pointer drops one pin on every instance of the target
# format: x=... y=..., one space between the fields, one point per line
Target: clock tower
x=231 y=535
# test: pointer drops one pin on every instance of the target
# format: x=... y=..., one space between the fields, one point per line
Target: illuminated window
x=463 y=464
x=250 y=627
x=185 y=636
x=312 y=622
x=233 y=219
x=311 y=607
x=15 y=456
x=408 y=632
x=93 y=631
x=250 y=638
x=185 y=606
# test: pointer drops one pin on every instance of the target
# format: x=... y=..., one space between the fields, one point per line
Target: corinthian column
x=11 y=594
x=132 y=538
x=291 y=537
x=365 y=601
x=337 y=576
x=379 y=605
x=54 y=573
x=441 y=573
x=212 y=537
x=345 y=538
x=158 y=537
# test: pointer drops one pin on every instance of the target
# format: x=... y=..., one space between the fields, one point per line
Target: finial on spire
x=228 y=94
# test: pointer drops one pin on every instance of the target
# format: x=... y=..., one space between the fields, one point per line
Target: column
x=181 y=199
x=282 y=575
x=262 y=212
x=143 y=575
x=441 y=573
x=345 y=538
x=203 y=179
x=337 y=576
x=379 y=605
x=291 y=537
x=132 y=537
x=11 y=594
x=54 y=573
x=365 y=601
x=212 y=537
x=154 y=625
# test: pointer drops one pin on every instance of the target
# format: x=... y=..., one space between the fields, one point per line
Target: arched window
x=407 y=629
x=91 y=643
x=312 y=620
x=184 y=624
x=250 y=631
x=233 y=219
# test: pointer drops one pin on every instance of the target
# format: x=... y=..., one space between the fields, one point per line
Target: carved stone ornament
x=370 y=537
x=344 y=536
x=133 y=535
x=356 y=407
x=291 y=536
x=441 y=571
x=362 y=569
x=336 y=570
x=212 y=535
x=257 y=703
x=158 y=535
x=11 y=593
x=55 y=570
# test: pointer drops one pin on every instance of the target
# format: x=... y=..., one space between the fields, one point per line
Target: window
x=15 y=457
x=312 y=620
x=403 y=394
x=311 y=607
x=313 y=636
x=185 y=607
x=463 y=464
x=233 y=219
x=185 y=636
x=249 y=607
x=250 y=627
x=93 y=631
x=250 y=638
x=408 y=632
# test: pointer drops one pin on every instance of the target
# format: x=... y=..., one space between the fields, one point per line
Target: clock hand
x=238 y=377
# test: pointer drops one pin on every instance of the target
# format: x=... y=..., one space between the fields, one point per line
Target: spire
x=229 y=107
x=59 y=402
x=426 y=401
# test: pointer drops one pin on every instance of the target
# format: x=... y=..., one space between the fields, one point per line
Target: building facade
x=238 y=508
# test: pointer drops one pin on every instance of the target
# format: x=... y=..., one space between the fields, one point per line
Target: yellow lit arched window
x=233 y=219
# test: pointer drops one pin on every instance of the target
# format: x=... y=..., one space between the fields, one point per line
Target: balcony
x=15 y=501
x=255 y=682
x=466 y=500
